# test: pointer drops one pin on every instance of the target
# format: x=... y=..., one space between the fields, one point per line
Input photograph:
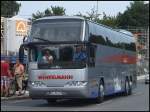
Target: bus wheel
x=51 y=100
x=100 y=97
x=128 y=88
x=130 y=85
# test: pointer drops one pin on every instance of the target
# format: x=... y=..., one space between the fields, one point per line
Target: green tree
x=108 y=20
x=58 y=11
x=137 y=15
x=37 y=15
x=9 y=8
x=92 y=15
x=47 y=12
x=53 y=11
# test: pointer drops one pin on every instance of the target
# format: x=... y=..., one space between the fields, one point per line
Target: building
x=12 y=32
x=142 y=45
x=141 y=35
x=2 y=36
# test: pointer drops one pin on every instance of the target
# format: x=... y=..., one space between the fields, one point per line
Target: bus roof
x=116 y=30
x=62 y=17
x=81 y=18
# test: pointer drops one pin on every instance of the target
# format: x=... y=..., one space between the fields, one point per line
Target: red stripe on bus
x=120 y=58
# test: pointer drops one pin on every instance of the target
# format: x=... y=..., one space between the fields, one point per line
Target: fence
x=142 y=45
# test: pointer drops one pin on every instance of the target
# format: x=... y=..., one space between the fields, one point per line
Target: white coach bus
x=89 y=60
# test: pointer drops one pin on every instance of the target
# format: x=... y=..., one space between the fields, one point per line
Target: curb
x=14 y=98
x=141 y=77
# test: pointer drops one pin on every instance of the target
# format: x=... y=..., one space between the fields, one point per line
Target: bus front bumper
x=58 y=92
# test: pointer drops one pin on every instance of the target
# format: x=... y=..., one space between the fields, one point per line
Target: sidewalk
x=141 y=77
x=26 y=95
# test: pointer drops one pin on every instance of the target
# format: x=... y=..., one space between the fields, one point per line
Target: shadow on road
x=140 y=97
x=68 y=103
x=65 y=102
x=78 y=102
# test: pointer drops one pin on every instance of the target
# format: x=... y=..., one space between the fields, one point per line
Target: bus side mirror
x=24 y=39
x=21 y=53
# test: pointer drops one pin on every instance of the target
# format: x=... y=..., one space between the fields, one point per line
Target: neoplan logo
x=47 y=77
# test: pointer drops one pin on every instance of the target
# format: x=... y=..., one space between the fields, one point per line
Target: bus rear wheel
x=128 y=87
x=100 y=97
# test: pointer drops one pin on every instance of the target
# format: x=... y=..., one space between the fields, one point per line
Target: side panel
x=110 y=65
x=115 y=59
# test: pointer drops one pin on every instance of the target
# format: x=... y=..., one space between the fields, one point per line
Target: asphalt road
x=138 y=101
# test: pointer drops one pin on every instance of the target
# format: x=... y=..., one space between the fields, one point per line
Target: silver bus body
x=111 y=65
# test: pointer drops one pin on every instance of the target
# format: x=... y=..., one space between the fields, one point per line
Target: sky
x=73 y=7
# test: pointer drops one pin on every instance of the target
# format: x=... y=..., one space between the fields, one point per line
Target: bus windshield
x=57 y=30
x=59 y=56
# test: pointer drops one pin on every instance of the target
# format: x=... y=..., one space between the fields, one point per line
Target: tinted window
x=130 y=45
x=96 y=35
x=57 y=30
x=62 y=56
x=109 y=37
x=92 y=53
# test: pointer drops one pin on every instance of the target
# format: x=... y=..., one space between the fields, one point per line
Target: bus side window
x=92 y=51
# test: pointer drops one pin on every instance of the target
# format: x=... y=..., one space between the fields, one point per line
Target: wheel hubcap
x=130 y=83
x=127 y=87
x=101 y=91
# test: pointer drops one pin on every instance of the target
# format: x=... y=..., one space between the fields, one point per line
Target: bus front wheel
x=100 y=97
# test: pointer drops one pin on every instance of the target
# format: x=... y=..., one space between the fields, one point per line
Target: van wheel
x=100 y=97
x=51 y=101
x=128 y=88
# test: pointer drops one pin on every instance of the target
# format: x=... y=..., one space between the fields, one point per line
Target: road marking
x=106 y=102
x=139 y=93
x=18 y=101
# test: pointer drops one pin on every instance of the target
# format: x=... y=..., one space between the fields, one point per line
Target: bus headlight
x=37 y=83
x=76 y=83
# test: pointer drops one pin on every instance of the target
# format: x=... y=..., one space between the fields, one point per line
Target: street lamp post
x=96 y=9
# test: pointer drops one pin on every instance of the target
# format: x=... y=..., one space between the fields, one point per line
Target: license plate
x=55 y=93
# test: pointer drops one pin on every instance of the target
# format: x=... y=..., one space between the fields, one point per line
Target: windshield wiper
x=41 y=39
